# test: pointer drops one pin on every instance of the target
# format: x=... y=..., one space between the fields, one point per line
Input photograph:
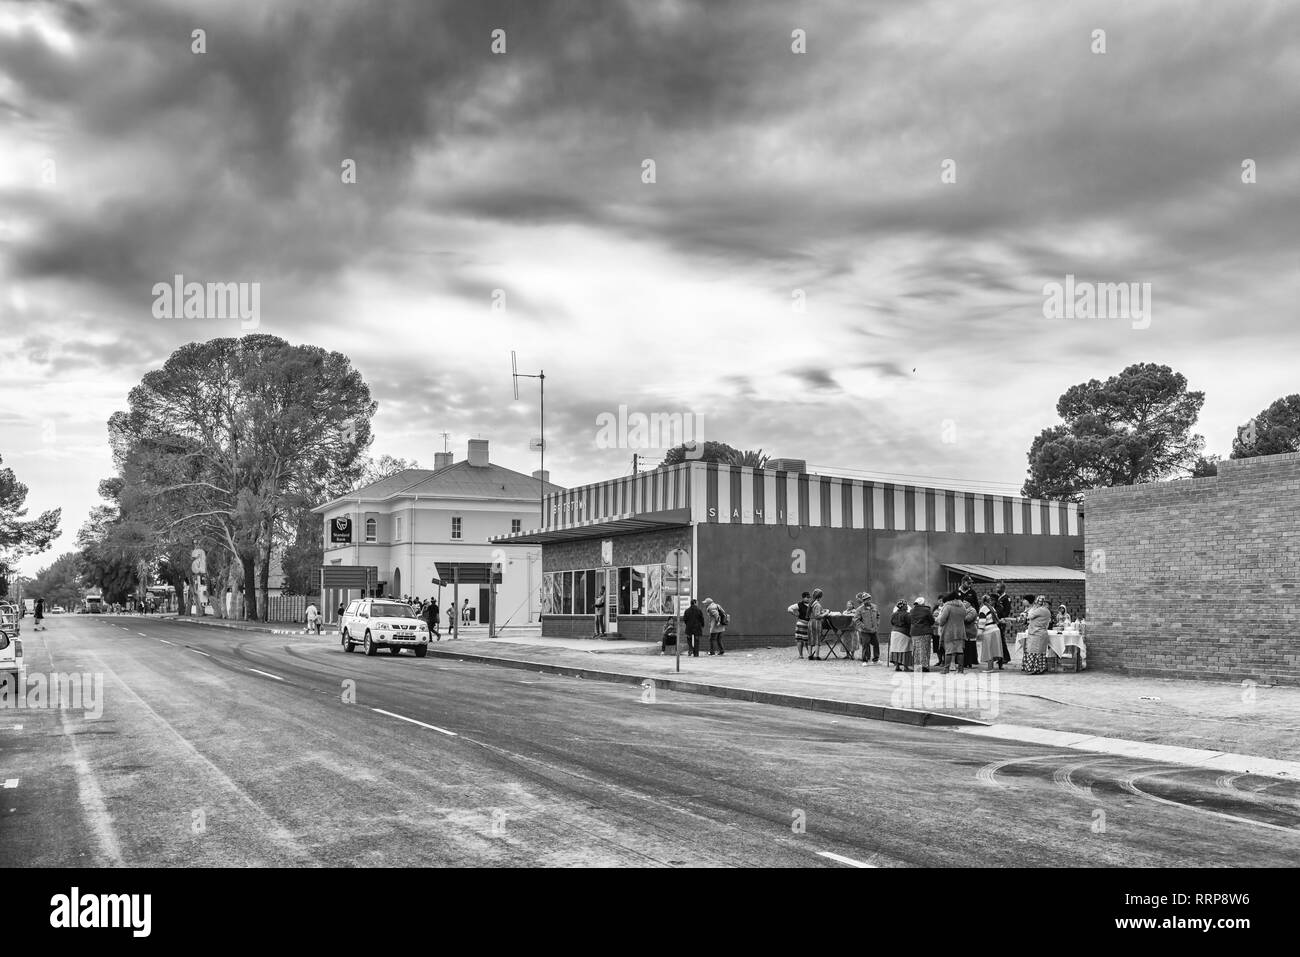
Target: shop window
x=580 y=605
x=594 y=580
x=566 y=593
x=655 y=599
x=625 y=591
x=548 y=593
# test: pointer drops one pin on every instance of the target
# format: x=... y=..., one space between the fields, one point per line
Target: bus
x=93 y=602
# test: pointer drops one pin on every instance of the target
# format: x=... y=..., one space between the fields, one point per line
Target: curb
x=852 y=709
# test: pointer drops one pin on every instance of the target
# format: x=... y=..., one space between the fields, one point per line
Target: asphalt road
x=221 y=747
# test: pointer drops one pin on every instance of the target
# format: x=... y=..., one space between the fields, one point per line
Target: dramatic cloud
x=842 y=255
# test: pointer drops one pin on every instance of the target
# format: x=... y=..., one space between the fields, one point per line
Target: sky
x=840 y=252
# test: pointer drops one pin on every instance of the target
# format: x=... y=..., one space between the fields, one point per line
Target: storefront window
x=655 y=603
x=556 y=589
x=638 y=596
x=594 y=580
x=580 y=605
x=566 y=593
x=624 y=591
x=548 y=593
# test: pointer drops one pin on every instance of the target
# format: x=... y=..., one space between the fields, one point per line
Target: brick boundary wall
x=1198 y=578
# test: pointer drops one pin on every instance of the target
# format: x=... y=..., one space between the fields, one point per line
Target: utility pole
x=516 y=375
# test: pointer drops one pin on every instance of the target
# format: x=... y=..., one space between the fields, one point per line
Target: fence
x=289 y=607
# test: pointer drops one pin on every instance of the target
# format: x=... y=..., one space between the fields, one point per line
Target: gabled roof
x=458 y=480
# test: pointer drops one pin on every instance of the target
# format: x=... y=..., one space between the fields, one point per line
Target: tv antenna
x=445 y=437
x=515 y=376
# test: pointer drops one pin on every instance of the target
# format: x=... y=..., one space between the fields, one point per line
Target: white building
x=417 y=522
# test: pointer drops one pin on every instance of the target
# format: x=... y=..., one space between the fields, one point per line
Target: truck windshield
x=390 y=609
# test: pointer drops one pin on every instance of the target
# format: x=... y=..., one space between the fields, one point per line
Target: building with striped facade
x=760 y=537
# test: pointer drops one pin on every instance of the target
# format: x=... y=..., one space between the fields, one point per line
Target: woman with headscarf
x=952 y=626
x=921 y=621
x=990 y=640
x=1040 y=619
x=900 y=637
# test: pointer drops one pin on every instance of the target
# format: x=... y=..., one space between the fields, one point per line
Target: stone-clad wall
x=1198 y=578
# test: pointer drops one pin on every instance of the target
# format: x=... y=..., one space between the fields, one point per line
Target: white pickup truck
x=11 y=646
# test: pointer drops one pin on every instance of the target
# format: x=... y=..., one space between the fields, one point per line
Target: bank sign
x=341 y=531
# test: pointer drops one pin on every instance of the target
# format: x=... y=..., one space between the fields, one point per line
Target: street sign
x=536 y=445
x=341 y=531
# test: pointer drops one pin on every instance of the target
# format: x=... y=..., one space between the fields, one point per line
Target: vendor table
x=834 y=627
x=1069 y=644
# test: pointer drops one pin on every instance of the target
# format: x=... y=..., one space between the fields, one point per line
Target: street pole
x=677 y=600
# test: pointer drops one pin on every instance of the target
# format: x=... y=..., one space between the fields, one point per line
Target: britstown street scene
x=651 y=434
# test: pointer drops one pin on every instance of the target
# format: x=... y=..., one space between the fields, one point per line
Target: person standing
x=967 y=592
x=900 y=637
x=1039 y=620
x=431 y=618
x=717 y=625
x=921 y=622
x=867 y=625
x=815 y=612
x=1002 y=606
x=952 y=628
x=38 y=613
x=600 y=615
x=693 y=622
x=801 y=610
x=464 y=613
x=990 y=640
x=313 y=618
x=971 y=652
x=451 y=620
x=853 y=635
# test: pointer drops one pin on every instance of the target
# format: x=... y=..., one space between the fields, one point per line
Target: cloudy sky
x=781 y=180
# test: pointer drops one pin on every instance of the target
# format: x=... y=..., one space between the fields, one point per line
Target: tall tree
x=20 y=537
x=231 y=433
x=1271 y=432
x=384 y=466
x=58 y=583
x=1134 y=427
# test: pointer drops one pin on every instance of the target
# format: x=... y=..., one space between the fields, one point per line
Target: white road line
x=266 y=673
x=431 y=727
x=142 y=634
x=11 y=783
x=163 y=640
x=16 y=727
x=843 y=860
x=197 y=652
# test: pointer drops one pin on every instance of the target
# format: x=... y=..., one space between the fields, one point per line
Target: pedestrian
x=967 y=592
x=851 y=634
x=39 y=613
x=1002 y=605
x=451 y=620
x=990 y=640
x=801 y=611
x=952 y=627
x=971 y=652
x=669 y=636
x=341 y=609
x=867 y=625
x=464 y=612
x=921 y=623
x=717 y=616
x=1034 y=661
x=600 y=615
x=1063 y=619
x=693 y=621
x=900 y=638
x=431 y=618
x=313 y=618
x=815 y=612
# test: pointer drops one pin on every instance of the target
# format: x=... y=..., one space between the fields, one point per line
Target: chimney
x=478 y=454
x=544 y=476
x=441 y=460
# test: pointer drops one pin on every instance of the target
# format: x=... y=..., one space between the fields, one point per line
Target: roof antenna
x=445 y=437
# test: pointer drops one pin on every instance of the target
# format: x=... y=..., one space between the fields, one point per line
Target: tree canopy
x=20 y=536
x=1271 y=432
x=1134 y=427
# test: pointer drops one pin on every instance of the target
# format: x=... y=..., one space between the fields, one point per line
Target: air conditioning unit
x=787 y=465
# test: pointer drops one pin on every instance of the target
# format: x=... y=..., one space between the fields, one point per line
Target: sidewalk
x=1091 y=710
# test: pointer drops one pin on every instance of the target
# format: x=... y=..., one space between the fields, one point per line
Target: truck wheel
x=369 y=645
x=347 y=645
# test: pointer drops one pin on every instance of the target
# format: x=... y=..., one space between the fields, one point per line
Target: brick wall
x=1198 y=578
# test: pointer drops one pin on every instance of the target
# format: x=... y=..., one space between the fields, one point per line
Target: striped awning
x=618 y=525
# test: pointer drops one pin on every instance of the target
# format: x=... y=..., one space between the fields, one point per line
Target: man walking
x=717 y=625
x=39 y=613
x=431 y=618
x=693 y=620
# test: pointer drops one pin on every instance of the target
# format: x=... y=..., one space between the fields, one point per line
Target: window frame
x=457 y=528
x=372 y=530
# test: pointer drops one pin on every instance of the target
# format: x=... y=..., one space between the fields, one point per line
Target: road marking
x=17 y=727
x=843 y=860
x=142 y=634
x=266 y=673
x=11 y=783
x=1129 y=784
x=197 y=652
x=431 y=727
x=163 y=640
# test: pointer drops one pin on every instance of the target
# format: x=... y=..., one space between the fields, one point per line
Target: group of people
x=696 y=620
x=962 y=629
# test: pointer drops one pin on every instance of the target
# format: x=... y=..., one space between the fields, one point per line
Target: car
x=375 y=623
x=10 y=615
x=57 y=610
x=11 y=648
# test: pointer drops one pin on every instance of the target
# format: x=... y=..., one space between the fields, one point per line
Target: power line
x=909 y=475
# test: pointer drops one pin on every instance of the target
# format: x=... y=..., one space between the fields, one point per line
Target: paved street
x=222 y=747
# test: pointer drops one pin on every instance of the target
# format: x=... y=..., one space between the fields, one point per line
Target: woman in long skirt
x=1040 y=619
x=900 y=639
x=990 y=640
x=922 y=619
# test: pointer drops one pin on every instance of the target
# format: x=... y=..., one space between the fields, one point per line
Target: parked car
x=11 y=647
x=9 y=618
x=57 y=610
x=376 y=623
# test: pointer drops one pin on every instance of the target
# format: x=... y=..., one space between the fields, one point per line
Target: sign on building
x=341 y=531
